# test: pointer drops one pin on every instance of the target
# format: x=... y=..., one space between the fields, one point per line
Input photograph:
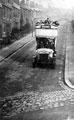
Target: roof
x=8 y=5
x=16 y=5
x=24 y=6
x=0 y=5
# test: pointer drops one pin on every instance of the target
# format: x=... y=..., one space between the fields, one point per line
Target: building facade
x=6 y=17
x=1 y=20
x=16 y=14
x=25 y=12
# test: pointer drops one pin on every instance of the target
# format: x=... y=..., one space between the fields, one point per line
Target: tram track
x=16 y=51
x=22 y=56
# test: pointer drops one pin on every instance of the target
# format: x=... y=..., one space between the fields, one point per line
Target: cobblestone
x=33 y=101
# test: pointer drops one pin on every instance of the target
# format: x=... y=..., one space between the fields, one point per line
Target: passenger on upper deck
x=47 y=21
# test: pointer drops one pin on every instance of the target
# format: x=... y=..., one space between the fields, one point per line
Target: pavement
x=69 y=58
x=69 y=61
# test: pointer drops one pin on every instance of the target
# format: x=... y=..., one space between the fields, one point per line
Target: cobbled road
x=28 y=93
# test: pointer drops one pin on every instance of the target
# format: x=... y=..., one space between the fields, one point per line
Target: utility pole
x=32 y=27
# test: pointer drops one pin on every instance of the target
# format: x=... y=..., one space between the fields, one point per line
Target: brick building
x=22 y=13
x=6 y=17
x=0 y=20
x=16 y=14
x=9 y=17
x=25 y=12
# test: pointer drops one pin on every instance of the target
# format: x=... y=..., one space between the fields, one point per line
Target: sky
x=67 y=4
